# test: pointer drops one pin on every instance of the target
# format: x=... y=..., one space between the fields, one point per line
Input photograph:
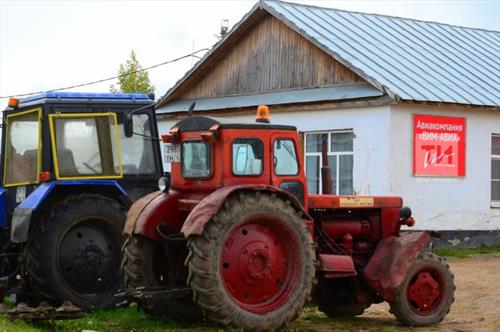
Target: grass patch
x=118 y=320
x=466 y=252
x=315 y=320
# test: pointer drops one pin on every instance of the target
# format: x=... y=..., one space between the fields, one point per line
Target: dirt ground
x=476 y=307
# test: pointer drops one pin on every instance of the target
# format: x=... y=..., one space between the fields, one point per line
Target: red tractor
x=236 y=235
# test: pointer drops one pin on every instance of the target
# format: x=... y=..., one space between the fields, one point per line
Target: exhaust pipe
x=326 y=174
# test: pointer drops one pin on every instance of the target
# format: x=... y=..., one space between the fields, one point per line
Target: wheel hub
x=254 y=268
x=255 y=264
x=90 y=257
x=424 y=291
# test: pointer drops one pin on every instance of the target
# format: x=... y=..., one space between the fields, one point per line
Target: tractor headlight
x=405 y=212
x=163 y=184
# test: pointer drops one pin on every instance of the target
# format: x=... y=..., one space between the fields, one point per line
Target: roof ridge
x=380 y=15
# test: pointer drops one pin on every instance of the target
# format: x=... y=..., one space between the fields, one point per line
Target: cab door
x=140 y=153
x=286 y=168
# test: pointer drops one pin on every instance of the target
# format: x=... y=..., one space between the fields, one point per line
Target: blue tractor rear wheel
x=73 y=253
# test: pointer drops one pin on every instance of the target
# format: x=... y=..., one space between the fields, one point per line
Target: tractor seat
x=31 y=159
x=66 y=160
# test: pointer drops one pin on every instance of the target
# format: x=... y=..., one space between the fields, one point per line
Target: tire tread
x=396 y=307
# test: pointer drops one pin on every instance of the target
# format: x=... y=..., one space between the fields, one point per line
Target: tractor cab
x=210 y=153
x=78 y=136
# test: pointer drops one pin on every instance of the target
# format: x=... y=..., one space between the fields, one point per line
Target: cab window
x=195 y=157
x=247 y=156
x=22 y=148
x=137 y=151
x=85 y=145
x=285 y=158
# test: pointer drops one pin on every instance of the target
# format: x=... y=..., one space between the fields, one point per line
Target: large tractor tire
x=73 y=253
x=427 y=293
x=254 y=265
x=146 y=265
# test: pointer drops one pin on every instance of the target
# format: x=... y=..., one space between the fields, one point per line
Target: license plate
x=172 y=153
x=20 y=194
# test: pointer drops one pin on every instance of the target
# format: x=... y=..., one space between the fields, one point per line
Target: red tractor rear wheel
x=426 y=295
x=254 y=265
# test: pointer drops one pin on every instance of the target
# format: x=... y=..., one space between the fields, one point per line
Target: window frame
x=209 y=145
x=296 y=155
x=39 y=155
x=329 y=153
x=493 y=203
x=232 y=155
x=53 y=142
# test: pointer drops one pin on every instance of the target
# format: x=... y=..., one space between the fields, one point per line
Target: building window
x=339 y=148
x=495 y=170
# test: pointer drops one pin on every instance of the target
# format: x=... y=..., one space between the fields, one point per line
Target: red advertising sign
x=438 y=145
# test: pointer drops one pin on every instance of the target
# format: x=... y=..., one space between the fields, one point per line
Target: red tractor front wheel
x=253 y=266
x=426 y=295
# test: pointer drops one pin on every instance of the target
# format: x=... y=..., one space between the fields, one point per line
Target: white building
x=409 y=108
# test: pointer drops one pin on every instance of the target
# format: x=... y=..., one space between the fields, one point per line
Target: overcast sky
x=46 y=45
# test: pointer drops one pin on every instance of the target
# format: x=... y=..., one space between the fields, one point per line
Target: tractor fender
x=210 y=205
x=390 y=262
x=149 y=211
x=23 y=213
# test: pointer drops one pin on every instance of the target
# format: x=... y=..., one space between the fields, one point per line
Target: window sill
x=495 y=205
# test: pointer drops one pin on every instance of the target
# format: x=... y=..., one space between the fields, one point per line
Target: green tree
x=131 y=78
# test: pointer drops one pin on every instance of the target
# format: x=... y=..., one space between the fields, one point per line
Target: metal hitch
x=142 y=294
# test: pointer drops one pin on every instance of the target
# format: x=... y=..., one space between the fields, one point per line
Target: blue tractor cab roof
x=85 y=97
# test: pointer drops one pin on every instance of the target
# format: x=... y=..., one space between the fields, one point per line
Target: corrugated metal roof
x=410 y=59
x=406 y=58
x=343 y=92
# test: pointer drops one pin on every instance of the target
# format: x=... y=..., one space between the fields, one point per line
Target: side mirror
x=128 y=121
x=128 y=124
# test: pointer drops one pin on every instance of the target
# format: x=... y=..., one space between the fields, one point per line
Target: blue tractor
x=70 y=171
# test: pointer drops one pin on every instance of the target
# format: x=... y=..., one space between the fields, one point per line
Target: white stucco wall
x=371 y=145
x=450 y=203
x=383 y=157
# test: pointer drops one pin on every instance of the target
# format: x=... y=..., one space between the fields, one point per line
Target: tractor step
x=45 y=311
